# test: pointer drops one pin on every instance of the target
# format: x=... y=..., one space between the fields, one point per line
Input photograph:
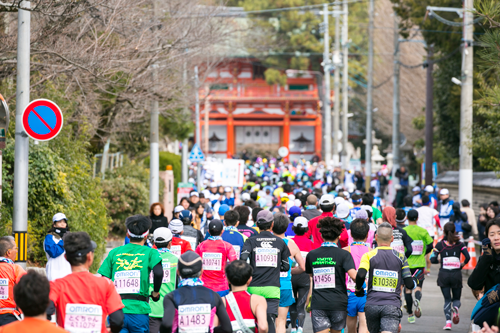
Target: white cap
x=291 y=197
x=429 y=189
x=289 y=204
x=338 y=200
x=59 y=217
x=191 y=180
x=163 y=233
x=367 y=208
x=245 y=196
x=212 y=184
x=176 y=226
x=178 y=209
x=283 y=195
x=298 y=203
x=327 y=199
x=347 y=195
x=416 y=188
x=300 y=221
x=444 y=191
x=351 y=187
x=194 y=194
x=343 y=210
x=228 y=189
x=206 y=193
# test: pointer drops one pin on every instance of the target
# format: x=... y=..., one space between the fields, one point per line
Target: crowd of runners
x=287 y=246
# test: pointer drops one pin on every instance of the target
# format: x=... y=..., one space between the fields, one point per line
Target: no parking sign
x=42 y=120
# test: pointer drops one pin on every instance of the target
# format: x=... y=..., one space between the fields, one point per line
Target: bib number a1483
x=194 y=318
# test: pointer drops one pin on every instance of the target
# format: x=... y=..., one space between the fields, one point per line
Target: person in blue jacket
x=57 y=265
x=227 y=197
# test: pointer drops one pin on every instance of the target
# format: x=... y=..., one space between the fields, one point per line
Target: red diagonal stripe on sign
x=41 y=119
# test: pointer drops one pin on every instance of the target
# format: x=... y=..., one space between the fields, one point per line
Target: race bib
x=386 y=281
x=4 y=288
x=398 y=246
x=194 y=318
x=451 y=263
x=128 y=282
x=212 y=261
x=166 y=273
x=237 y=249
x=304 y=254
x=324 y=277
x=266 y=257
x=418 y=247
x=191 y=241
x=83 y=318
x=176 y=250
x=351 y=285
x=283 y=274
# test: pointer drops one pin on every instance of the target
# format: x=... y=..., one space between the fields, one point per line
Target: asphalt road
x=433 y=319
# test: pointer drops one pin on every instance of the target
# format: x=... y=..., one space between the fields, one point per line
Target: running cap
x=215 y=226
x=412 y=215
x=295 y=210
x=444 y=191
x=223 y=209
x=206 y=193
x=162 y=235
x=264 y=216
x=185 y=214
x=194 y=194
x=361 y=214
x=367 y=208
x=300 y=222
x=212 y=184
x=228 y=189
x=416 y=189
x=245 y=196
x=327 y=199
x=90 y=246
x=178 y=209
x=338 y=200
x=176 y=226
x=429 y=189
x=58 y=217
x=189 y=263
x=289 y=205
x=342 y=210
x=283 y=195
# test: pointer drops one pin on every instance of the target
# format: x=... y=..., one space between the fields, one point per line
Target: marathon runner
x=386 y=269
x=327 y=205
x=428 y=218
x=358 y=247
x=31 y=294
x=190 y=234
x=162 y=238
x=53 y=244
x=10 y=274
x=192 y=307
x=268 y=256
x=356 y=202
x=401 y=242
x=129 y=267
x=231 y=233
x=215 y=254
x=301 y=283
x=328 y=265
x=244 y=213
x=179 y=245
x=422 y=245
x=447 y=253
x=376 y=213
x=248 y=313
x=281 y=222
x=311 y=209
x=82 y=300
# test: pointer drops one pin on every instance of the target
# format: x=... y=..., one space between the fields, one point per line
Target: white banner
x=230 y=173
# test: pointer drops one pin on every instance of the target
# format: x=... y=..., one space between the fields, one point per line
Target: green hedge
x=174 y=160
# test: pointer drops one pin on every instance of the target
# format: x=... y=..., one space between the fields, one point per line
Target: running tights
x=409 y=300
x=450 y=301
x=271 y=323
x=298 y=309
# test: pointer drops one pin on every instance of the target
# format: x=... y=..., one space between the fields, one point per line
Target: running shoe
x=411 y=319
x=299 y=330
x=418 y=310
x=399 y=328
x=447 y=327
x=454 y=315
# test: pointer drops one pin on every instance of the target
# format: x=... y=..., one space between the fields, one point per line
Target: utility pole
x=20 y=217
x=369 y=102
x=429 y=115
x=185 y=143
x=395 y=102
x=154 y=154
x=336 y=80
x=465 y=171
x=345 y=85
x=326 y=70
x=198 y=127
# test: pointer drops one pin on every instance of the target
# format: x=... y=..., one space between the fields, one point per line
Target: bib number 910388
x=385 y=281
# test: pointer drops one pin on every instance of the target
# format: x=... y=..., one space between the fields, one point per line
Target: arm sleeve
x=199 y=237
x=480 y=273
x=436 y=218
x=157 y=277
x=246 y=250
x=54 y=250
x=407 y=242
x=409 y=283
x=285 y=255
x=406 y=274
x=224 y=322
x=167 y=322
x=428 y=248
x=466 y=254
x=51 y=309
x=116 y=321
x=360 y=278
x=435 y=254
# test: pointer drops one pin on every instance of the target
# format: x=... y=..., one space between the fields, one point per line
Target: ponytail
x=449 y=233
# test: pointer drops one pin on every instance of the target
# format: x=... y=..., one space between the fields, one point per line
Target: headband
x=144 y=235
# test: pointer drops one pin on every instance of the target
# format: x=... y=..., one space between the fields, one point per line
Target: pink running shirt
x=215 y=255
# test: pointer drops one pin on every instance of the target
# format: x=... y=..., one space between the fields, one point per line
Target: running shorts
x=450 y=278
x=286 y=298
x=355 y=304
x=324 y=320
x=383 y=318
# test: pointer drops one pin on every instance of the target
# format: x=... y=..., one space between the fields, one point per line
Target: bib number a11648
x=128 y=282
x=194 y=318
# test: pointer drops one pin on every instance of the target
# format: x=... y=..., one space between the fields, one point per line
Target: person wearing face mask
x=57 y=265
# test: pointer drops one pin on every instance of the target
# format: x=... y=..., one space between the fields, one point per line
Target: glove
x=155 y=299
x=360 y=293
x=486 y=247
x=308 y=306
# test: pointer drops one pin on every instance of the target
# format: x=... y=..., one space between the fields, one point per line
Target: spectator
x=158 y=219
x=482 y=219
x=471 y=218
x=460 y=220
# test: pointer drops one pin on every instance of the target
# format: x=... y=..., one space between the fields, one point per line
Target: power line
x=424 y=64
